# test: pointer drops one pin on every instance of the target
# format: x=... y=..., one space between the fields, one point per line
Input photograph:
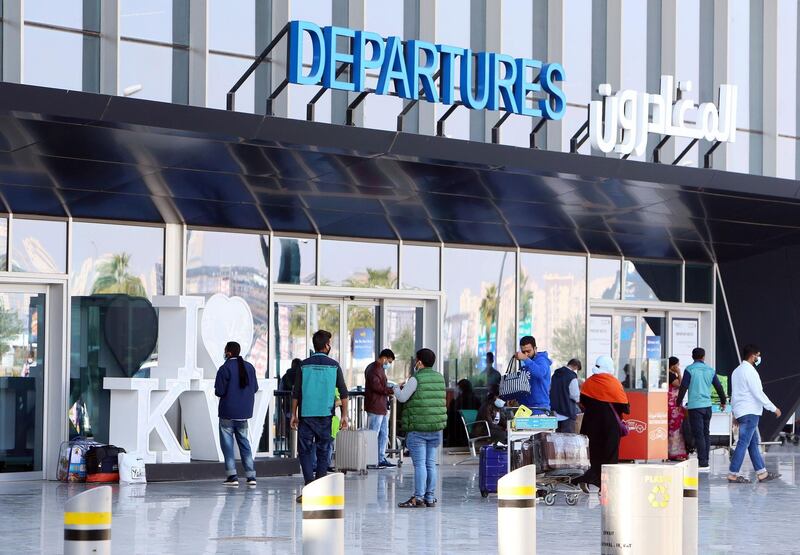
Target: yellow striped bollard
x=516 y=512
x=691 y=513
x=87 y=522
x=323 y=516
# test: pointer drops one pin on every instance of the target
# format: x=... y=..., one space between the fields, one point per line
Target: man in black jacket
x=565 y=394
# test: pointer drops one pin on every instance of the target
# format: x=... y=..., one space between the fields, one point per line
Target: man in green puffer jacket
x=424 y=418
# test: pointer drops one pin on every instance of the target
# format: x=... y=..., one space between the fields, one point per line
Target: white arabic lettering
x=619 y=122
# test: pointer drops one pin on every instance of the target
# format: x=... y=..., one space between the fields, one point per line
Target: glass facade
x=294 y=260
x=39 y=246
x=352 y=264
x=605 y=278
x=420 y=267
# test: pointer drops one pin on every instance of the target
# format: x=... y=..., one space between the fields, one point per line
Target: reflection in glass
x=552 y=304
x=234 y=264
x=108 y=258
x=294 y=260
x=652 y=281
x=420 y=267
x=698 y=281
x=291 y=327
x=146 y=65
x=360 y=343
x=39 y=246
x=404 y=338
x=653 y=372
x=226 y=71
x=65 y=13
x=352 y=264
x=326 y=317
x=479 y=312
x=64 y=71
x=626 y=341
x=3 y=243
x=146 y=19
x=22 y=375
x=604 y=278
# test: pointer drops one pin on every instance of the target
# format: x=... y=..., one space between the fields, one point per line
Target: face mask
x=757 y=361
x=499 y=403
x=386 y=365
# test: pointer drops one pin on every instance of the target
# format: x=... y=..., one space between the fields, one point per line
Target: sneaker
x=705 y=468
x=251 y=482
x=768 y=477
x=386 y=464
x=299 y=498
x=231 y=482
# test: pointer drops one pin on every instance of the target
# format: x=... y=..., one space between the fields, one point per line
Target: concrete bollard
x=516 y=512
x=691 y=512
x=641 y=509
x=323 y=516
x=87 y=522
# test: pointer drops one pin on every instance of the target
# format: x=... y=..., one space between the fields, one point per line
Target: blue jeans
x=749 y=438
x=380 y=423
x=313 y=446
x=700 y=421
x=238 y=428
x=422 y=446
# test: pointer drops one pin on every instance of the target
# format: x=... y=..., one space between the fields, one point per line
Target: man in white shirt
x=748 y=401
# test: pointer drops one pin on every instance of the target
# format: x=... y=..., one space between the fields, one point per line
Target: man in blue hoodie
x=537 y=365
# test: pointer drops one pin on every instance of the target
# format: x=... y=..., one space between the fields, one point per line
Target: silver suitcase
x=356 y=450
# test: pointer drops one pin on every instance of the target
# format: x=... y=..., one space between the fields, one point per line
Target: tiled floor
x=203 y=517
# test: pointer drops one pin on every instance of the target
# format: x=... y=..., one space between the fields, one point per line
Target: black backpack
x=102 y=459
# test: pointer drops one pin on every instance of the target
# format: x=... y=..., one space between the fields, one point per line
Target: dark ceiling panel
x=547 y=239
x=32 y=200
x=411 y=228
x=288 y=218
x=454 y=207
x=91 y=204
x=350 y=224
x=220 y=214
x=473 y=233
x=199 y=185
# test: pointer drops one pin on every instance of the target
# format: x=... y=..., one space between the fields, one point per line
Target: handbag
x=514 y=381
x=623 y=426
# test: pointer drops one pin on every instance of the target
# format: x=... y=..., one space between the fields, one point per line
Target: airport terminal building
x=443 y=173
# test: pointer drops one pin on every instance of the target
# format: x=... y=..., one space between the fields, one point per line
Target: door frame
x=56 y=366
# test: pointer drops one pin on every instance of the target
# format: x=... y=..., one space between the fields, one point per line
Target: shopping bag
x=132 y=469
x=514 y=381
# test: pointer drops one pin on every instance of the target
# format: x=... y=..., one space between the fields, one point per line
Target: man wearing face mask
x=491 y=412
x=376 y=400
x=748 y=402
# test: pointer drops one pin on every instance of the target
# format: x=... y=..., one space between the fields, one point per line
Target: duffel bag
x=102 y=463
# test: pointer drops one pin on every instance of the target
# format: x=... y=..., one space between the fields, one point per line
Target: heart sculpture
x=130 y=326
x=223 y=319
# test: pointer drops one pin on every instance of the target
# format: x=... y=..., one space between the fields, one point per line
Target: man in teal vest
x=424 y=418
x=698 y=378
x=313 y=399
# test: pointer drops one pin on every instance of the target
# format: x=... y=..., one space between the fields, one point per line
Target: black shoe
x=299 y=498
x=386 y=464
x=251 y=482
x=231 y=482
x=413 y=503
x=431 y=503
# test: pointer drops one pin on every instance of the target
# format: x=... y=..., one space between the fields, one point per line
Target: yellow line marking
x=73 y=519
x=324 y=500
x=690 y=482
x=516 y=490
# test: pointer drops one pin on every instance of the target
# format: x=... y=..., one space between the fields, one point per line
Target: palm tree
x=113 y=277
x=10 y=328
x=525 y=298
x=376 y=277
x=490 y=305
x=569 y=340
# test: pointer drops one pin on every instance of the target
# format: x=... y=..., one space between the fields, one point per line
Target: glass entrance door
x=22 y=378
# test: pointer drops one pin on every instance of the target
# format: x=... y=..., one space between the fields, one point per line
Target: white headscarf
x=604 y=365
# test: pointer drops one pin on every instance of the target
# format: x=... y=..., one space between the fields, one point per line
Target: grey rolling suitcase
x=356 y=450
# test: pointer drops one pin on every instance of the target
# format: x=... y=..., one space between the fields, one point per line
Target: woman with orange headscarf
x=604 y=401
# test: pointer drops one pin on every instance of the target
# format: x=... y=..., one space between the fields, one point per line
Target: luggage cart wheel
x=550 y=499
x=484 y=493
x=572 y=499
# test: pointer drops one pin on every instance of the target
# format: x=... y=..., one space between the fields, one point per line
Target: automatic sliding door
x=404 y=335
x=291 y=330
x=361 y=325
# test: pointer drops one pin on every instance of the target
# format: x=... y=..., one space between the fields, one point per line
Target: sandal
x=738 y=480
x=413 y=502
x=769 y=476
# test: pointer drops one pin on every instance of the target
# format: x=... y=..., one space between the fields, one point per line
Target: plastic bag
x=131 y=468
x=72 y=459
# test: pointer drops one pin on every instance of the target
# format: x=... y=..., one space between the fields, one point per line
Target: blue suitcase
x=493 y=466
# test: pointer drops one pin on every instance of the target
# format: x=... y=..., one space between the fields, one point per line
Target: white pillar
x=323 y=516
x=87 y=522
x=516 y=512
x=174 y=258
x=557 y=133
x=12 y=40
x=724 y=65
x=198 y=52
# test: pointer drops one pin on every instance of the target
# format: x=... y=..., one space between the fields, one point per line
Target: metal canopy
x=103 y=157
